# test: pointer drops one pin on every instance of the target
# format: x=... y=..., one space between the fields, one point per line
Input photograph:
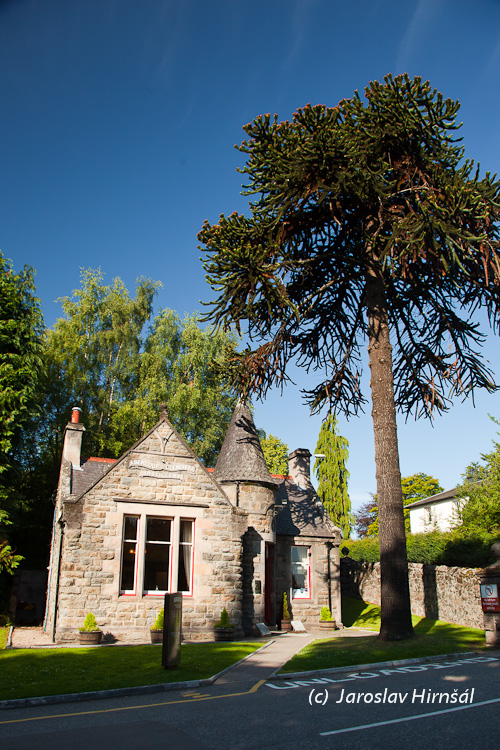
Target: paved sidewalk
x=264 y=663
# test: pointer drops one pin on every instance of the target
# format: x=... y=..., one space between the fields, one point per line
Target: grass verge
x=432 y=637
x=26 y=673
x=4 y=634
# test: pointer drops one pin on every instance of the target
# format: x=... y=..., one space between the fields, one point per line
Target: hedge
x=454 y=548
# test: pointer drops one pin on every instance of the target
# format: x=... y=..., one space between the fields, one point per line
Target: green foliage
x=184 y=366
x=94 y=355
x=89 y=624
x=286 y=611
x=332 y=475
x=8 y=559
x=276 y=454
x=366 y=226
x=224 y=621
x=454 y=548
x=481 y=512
x=325 y=614
x=100 y=359
x=373 y=188
x=160 y=620
x=21 y=333
x=415 y=487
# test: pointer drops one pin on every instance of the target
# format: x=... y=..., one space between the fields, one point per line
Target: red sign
x=489 y=597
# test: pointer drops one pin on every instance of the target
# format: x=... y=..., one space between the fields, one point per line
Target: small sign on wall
x=489 y=597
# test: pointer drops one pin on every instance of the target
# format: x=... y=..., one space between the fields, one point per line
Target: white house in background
x=441 y=512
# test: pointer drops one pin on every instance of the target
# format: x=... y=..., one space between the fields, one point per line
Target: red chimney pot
x=75 y=414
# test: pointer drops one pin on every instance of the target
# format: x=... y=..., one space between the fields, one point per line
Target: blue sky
x=117 y=141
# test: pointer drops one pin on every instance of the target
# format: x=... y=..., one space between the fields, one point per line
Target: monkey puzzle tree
x=368 y=226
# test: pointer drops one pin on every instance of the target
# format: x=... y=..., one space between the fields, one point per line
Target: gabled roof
x=90 y=471
x=302 y=513
x=440 y=497
x=241 y=458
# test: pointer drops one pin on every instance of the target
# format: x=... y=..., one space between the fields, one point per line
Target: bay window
x=156 y=552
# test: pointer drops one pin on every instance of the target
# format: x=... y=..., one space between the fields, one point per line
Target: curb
x=47 y=700
x=375 y=665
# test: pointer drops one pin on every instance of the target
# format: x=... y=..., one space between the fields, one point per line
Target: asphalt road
x=452 y=704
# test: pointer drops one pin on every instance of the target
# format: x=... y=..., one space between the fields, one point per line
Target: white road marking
x=409 y=718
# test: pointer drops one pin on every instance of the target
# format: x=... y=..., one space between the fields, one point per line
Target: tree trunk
x=395 y=593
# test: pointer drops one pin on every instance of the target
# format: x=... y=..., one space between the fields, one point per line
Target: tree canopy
x=21 y=333
x=481 y=487
x=109 y=356
x=366 y=226
x=331 y=472
x=415 y=487
x=275 y=452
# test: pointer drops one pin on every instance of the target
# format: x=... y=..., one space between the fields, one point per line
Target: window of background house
x=301 y=584
x=129 y=554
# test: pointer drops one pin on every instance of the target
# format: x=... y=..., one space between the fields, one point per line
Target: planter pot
x=90 y=637
x=327 y=624
x=286 y=625
x=156 y=636
x=224 y=634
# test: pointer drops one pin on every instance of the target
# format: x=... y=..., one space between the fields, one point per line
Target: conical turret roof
x=241 y=458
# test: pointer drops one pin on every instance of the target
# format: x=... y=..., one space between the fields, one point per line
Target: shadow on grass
x=432 y=638
x=25 y=673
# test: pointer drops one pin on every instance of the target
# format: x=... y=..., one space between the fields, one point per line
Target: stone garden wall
x=436 y=591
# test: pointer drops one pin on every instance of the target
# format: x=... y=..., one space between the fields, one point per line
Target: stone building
x=155 y=520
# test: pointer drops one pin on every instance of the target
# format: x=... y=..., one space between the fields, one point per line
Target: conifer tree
x=332 y=475
x=367 y=227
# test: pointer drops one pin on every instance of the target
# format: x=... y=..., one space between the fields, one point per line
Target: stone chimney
x=72 y=449
x=299 y=468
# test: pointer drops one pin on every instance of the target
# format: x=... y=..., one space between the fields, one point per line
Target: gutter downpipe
x=56 y=595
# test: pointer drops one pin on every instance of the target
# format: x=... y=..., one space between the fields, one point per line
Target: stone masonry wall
x=308 y=610
x=91 y=561
x=436 y=591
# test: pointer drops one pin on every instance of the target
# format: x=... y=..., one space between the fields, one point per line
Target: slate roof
x=440 y=497
x=241 y=458
x=92 y=469
x=302 y=513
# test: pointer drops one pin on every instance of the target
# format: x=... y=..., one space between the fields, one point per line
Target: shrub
x=460 y=548
x=325 y=614
x=224 y=621
x=89 y=624
x=286 y=611
x=160 y=620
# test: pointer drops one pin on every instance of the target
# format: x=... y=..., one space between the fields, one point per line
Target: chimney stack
x=299 y=468
x=72 y=449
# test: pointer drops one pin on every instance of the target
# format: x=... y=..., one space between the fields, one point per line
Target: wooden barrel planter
x=156 y=636
x=90 y=637
x=327 y=624
x=224 y=634
x=286 y=625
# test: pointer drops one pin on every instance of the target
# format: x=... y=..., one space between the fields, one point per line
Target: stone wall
x=436 y=591
x=308 y=610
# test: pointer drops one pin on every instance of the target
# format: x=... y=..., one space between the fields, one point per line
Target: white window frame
x=304 y=593
x=174 y=554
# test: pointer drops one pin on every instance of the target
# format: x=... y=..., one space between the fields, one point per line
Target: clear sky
x=117 y=134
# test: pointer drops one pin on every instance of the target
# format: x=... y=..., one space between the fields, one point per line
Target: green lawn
x=4 y=634
x=25 y=673
x=432 y=637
